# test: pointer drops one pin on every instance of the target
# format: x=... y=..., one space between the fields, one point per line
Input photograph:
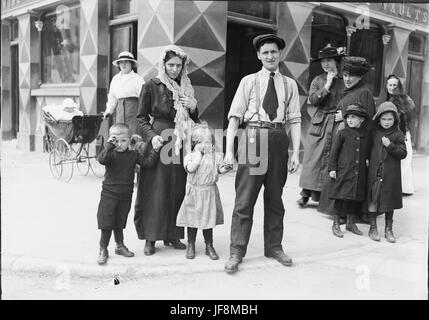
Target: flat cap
x=357 y=109
x=258 y=40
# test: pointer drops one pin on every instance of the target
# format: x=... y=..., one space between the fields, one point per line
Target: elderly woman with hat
x=325 y=92
x=169 y=100
x=124 y=92
x=355 y=92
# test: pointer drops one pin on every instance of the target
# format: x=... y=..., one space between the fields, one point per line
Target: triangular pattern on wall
x=202 y=5
x=297 y=52
x=155 y=35
x=214 y=112
x=88 y=45
x=186 y=13
x=205 y=96
x=200 y=35
x=399 y=69
x=200 y=78
x=216 y=69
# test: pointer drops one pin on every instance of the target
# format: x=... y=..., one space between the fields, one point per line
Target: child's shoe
x=388 y=233
x=104 y=255
x=373 y=232
x=190 y=253
x=123 y=251
x=211 y=252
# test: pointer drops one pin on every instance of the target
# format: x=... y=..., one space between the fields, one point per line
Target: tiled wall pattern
x=199 y=28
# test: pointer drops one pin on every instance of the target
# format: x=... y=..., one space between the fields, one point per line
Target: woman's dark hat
x=124 y=56
x=271 y=37
x=357 y=109
x=355 y=66
x=329 y=52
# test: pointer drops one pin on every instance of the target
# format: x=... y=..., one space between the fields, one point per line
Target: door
x=14 y=90
x=241 y=58
x=414 y=90
x=122 y=38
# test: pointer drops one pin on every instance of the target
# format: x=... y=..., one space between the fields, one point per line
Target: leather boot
x=351 y=226
x=388 y=232
x=303 y=201
x=280 y=256
x=373 y=232
x=336 y=230
x=211 y=252
x=122 y=250
x=175 y=243
x=104 y=255
x=190 y=253
x=231 y=266
x=149 y=248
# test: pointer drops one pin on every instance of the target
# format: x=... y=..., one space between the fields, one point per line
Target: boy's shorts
x=112 y=213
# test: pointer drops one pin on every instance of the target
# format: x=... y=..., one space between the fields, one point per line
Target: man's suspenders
x=257 y=88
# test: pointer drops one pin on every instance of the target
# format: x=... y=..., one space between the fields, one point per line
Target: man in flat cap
x=263 y=104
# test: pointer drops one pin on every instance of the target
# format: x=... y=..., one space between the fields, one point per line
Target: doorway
x=14 y=64
x=241 y=58
x=414 y=90
x=123 y=37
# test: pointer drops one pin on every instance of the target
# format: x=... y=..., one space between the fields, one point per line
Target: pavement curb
x=49 y=267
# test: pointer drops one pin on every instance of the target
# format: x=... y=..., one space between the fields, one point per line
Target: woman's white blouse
x=123 y=86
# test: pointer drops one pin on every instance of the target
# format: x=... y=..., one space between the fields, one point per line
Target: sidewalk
x=49 y=227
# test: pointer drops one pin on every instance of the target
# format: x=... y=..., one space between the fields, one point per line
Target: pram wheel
x=65 y=153
x=82 y=159
x=93 y=150
x=55 y=163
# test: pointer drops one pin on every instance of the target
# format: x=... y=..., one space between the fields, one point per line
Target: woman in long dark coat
x=169 y=99
x=390 y=153
x=394 y=92
x=356 y=91
x=325 y=92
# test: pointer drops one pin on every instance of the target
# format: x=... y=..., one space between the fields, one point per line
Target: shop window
x=326 y=28
x=262 y=10
x=61 y=44
x=368 y=43
x=416 y=45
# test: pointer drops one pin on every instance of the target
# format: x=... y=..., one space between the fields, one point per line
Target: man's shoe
x=123 y=251
x=231 y=266
x=303 y=201
x=149 y=248
x=211 y=252
x=175 y=243
x=104 y=255
x=280 y=256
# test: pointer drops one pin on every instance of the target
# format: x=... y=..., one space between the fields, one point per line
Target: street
x=50 y=246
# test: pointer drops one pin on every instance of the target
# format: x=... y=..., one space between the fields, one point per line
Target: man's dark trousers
x=248 y=185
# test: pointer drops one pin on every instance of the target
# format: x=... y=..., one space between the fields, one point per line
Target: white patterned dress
x=201 y=208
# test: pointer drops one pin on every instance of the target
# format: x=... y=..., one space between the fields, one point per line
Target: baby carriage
x=70 y=142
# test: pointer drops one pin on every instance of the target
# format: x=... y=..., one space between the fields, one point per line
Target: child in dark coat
x=347 y=169
x=384 y=177
x=120 y=159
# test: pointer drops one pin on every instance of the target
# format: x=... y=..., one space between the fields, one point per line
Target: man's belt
x=265 y=124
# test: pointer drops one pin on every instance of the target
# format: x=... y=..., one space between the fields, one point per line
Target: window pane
x=252 y=8
x=61 y=44
x=415 y=45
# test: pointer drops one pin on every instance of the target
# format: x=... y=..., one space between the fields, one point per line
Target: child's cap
x=386 y=107
x=357 y=109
